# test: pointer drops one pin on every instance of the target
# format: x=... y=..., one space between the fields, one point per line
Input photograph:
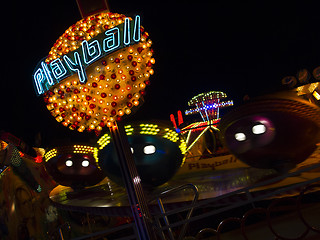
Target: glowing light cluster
x=76 y=149
x=148 y=129
x=50 y=154
x=116 y=82
x=310 y=91
x=104 y=140
x=212 y=95
x=95 y=155
x=3 y=145
x=198 y=126
x=83 y=149
x=171 y=135
x=208 y=105
x=183 y=148
x=82 y=30
x=128 y=129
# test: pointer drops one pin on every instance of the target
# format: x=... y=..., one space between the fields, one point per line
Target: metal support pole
x=132 y=183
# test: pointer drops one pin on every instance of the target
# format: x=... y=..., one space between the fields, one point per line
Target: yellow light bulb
x=59 y=118
x=127 y=111
x=142 y=85
x=136 y=102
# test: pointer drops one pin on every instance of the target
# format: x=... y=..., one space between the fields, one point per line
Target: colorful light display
x=208 y=105
x=96 y=72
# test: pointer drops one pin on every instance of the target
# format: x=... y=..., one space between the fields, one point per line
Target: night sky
x=231 y=46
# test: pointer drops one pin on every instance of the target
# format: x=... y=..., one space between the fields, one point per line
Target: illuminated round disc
x=158 y=152
x=116 y=74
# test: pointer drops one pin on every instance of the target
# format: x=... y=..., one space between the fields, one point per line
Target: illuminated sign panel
x=75 y=62
x=96 y=72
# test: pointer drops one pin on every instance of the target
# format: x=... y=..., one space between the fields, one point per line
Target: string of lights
x=208 y=105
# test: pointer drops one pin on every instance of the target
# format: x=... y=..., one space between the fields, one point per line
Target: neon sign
x=75 y=62
x=96 y=72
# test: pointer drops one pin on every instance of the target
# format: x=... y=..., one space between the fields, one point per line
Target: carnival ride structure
x=71 y=185
x=203 y=137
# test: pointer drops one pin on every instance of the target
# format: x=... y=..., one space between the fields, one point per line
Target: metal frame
x=249 y=197
x=221 y=204
x=161 y=229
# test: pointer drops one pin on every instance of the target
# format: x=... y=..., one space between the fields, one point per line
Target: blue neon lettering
x=38 y=78
x=136 y=31
x=47 y=73
x=58 y=70
x=77 y=61
x=91 y=51
x=126 y=35
x=112 y=41
x=76 y=66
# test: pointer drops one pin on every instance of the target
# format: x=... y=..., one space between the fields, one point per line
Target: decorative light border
x=75 y=149
x=147 y=129
x=210 y=106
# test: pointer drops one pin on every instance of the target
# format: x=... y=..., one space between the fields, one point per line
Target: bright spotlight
x=69 y=163
x=149 y=149
x=240 y=136
x=85 y=163
x=259 y=129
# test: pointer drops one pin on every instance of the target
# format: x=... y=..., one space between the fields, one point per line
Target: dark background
x=232 y=46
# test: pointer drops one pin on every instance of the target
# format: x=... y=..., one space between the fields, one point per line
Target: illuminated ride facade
x=202 y=137
x=29 y=191
x=158 y=152
x=96 y=72
x=208 y=105
x=95 y=75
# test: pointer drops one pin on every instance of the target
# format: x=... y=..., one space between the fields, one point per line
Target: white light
x=69 y=163
x=259 y=129
x=240 y=137
x=149 y=149
x=136 y=180
x=132 y=150
x=85 y=163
